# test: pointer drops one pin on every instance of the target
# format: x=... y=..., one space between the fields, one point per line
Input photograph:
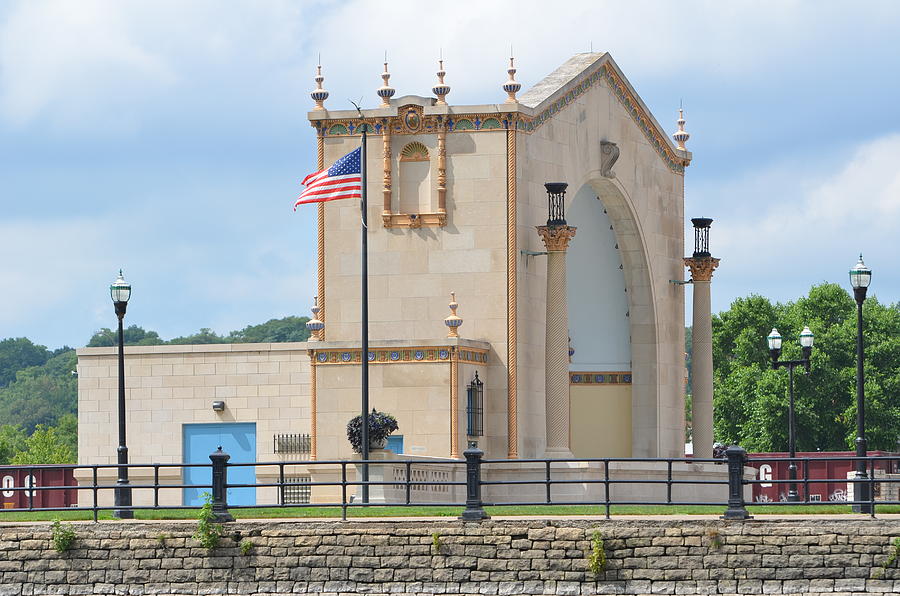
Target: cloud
x=812 y=225
x=96 y=63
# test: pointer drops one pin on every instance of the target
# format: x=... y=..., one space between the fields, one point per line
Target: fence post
x=219 y=485
x=474 y=510
x=736 y=506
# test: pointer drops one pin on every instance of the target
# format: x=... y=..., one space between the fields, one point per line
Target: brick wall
x=695 y=556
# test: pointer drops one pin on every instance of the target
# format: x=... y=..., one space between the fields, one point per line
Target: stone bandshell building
x=455 y=194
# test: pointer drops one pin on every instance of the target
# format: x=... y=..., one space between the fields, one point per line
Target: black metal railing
x=458 y=483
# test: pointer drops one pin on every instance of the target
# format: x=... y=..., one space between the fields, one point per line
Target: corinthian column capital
x=701 y=267
x=556 y=238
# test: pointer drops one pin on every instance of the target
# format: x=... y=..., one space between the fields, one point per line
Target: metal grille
x=475 y=407
x=294 y=494
x=295 y=444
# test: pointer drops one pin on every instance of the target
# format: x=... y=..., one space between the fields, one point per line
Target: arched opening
x=415 y=179
x=600 y=332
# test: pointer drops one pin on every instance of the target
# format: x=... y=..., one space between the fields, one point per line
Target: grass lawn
x=430 y=511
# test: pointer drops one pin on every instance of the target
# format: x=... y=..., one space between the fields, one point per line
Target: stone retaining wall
x=695 y=556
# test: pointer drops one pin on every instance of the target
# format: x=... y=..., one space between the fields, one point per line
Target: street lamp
x=860 y=276
x=806 y=346
x=120 y=291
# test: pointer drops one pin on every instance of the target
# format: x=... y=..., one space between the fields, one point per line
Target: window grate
x=296 y=491
x=295 y=444
x=475 y=407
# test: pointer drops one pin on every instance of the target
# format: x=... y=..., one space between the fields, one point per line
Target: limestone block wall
x=413 y=270
x=644 y=201
x=678 y=556
x=169 y=386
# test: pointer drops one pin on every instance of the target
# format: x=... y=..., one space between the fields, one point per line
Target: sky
x=169 y=138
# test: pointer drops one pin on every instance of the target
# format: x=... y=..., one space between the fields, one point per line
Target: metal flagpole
x=364 y=355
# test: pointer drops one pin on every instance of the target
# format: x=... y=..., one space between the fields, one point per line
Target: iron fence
x=471 y=484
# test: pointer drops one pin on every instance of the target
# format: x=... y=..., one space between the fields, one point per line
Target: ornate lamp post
x=120 y=291
x=806 y=346
x=556 y=236
x=702 y=264
x=860 y=276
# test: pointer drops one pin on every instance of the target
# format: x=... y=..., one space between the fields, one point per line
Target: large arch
x=643 y=321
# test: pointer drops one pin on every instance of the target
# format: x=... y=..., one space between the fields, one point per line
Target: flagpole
x=364 y=356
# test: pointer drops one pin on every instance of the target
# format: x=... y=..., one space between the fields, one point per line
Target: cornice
x=493 y=117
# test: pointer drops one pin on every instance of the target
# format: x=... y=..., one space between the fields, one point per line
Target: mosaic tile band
x=600 y=378
x=402 y=355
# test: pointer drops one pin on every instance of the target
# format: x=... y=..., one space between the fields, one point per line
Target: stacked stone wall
x=694 y=556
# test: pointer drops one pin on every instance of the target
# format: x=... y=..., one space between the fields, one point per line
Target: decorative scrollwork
x=609 y=154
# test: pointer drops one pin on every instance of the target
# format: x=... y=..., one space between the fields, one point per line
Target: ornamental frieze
x=599 y=378
x=400 y=355
x=412 y=120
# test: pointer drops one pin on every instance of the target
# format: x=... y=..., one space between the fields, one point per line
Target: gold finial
x=319 y=94
x=441 y=89
x=385 y=92
x=314 y=325
x=512 y=86
x=453 y=321
x=681 y=137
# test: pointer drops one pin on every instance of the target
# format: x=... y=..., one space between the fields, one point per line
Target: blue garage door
x=237 y=440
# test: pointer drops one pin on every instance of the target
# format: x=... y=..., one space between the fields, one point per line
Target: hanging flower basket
x=381 y=425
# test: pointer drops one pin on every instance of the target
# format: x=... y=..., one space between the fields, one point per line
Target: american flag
x=341 y=181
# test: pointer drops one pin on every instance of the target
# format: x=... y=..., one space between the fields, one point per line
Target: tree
x=133 y=336
x=18 y=353
x=12 y=441
x=273 y=331
x=45 y=446
x=41 y=394
x=204 y=336
x=751 y=399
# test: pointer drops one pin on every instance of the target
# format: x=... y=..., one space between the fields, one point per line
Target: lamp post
x=120 y=291
x=556 y=236
x=806 y=345
x=860 y=276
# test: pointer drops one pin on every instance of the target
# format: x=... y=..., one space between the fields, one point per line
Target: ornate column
x=556 y=238
x=702 y=266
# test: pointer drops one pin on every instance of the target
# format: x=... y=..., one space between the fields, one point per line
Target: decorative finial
x=441 y=89
x=314 y=325
x=681 y=137
x=512 y=86
x=319 y=94
x=386 y=92
x=453 y=321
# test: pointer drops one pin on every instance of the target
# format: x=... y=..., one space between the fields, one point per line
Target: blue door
x=395 y=443
x=237 y=440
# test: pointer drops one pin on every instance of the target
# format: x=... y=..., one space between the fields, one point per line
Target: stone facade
x=678 y=556
x=478 y=173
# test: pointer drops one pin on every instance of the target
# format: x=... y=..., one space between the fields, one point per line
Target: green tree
x=67 y=430
x=273 y=331
x=41 y=394
x=12 y=441
x=133 y=336
x=751 y=399
x=45 y=446
x=204 y=336
x=18 y=353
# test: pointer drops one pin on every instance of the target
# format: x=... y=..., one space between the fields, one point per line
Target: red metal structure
x=41 y=477
x=827 y=478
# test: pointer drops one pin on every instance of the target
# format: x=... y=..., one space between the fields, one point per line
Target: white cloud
x=44 y=264
x=809 y=228
x=98 y=63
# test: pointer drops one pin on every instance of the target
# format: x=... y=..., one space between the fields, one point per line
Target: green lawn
x=427 y=511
